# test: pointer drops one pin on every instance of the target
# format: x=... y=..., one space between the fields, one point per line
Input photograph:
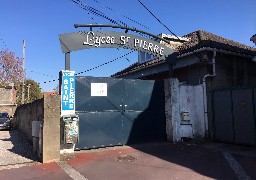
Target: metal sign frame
x=68 y=93
x=109 y=39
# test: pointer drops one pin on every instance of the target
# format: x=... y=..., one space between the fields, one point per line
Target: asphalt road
x=149 y=161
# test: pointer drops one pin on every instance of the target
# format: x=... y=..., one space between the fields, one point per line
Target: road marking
x=71 y=171
x=237 y=168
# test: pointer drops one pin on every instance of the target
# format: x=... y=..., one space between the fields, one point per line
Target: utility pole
x=28 y=93
x=24 y=74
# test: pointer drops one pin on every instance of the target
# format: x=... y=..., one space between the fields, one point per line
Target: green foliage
x=32 y=91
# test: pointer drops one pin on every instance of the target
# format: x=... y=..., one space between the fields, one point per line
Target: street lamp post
x=23 y=80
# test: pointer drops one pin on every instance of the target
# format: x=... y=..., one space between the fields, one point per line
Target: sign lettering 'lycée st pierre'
x=93 y=40
x=104 y=39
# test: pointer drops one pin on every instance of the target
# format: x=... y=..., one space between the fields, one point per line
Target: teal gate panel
x=144 y=114
x=223 y=117
x=99 y=129
x=234 y=116
x=130 y=112
x=244 y=122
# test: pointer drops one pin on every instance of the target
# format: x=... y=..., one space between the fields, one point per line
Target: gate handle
x=123 y=107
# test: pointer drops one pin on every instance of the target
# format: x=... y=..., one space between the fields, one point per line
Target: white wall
x=183 y=98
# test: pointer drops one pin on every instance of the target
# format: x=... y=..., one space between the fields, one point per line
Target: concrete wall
x=169 y=99
x=26 y=114
x=51 y=129
x=184 y=98
x=46 y=110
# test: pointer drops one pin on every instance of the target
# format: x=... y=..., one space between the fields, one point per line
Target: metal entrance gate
x=234 y=116
x=119 y=111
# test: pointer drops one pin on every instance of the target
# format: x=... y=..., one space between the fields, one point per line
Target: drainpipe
x=205 y=93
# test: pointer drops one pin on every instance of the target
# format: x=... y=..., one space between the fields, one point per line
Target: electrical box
x=36 y=128
x=185 y=116
x=186 y=130
x=70 y=129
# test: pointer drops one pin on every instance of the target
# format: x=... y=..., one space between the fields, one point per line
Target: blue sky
x=40 y=22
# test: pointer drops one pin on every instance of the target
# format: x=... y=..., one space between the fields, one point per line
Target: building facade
x=8 y=99
x=217 y=64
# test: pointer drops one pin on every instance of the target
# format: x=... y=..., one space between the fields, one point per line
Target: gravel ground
x=15 y=150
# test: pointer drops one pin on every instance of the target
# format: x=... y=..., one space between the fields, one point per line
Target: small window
x=144 y=57
x=4 y=115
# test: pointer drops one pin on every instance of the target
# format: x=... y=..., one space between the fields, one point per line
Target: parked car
x=5 y=122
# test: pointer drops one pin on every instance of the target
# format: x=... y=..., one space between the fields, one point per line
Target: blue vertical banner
x=68 y=93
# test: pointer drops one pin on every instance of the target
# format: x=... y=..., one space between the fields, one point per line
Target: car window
x=4 y=115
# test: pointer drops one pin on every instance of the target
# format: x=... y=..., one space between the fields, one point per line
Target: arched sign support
x=109 y=39
x=120 y=27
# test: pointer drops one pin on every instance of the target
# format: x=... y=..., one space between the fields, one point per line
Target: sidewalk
x=151 y=161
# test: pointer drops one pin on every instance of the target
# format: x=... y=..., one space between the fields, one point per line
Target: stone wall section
x=8 y=99
x=26 y=114
x=46 y=110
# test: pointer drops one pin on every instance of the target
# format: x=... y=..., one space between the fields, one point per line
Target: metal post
x=67 y=61
x=171 y=59
x=24 y=73
x=28 y=93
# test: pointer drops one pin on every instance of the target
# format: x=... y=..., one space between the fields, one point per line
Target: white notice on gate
x=99 y=89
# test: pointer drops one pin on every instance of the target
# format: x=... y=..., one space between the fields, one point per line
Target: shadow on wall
x=28 y=119
x=146 y=122
x=26 y=114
